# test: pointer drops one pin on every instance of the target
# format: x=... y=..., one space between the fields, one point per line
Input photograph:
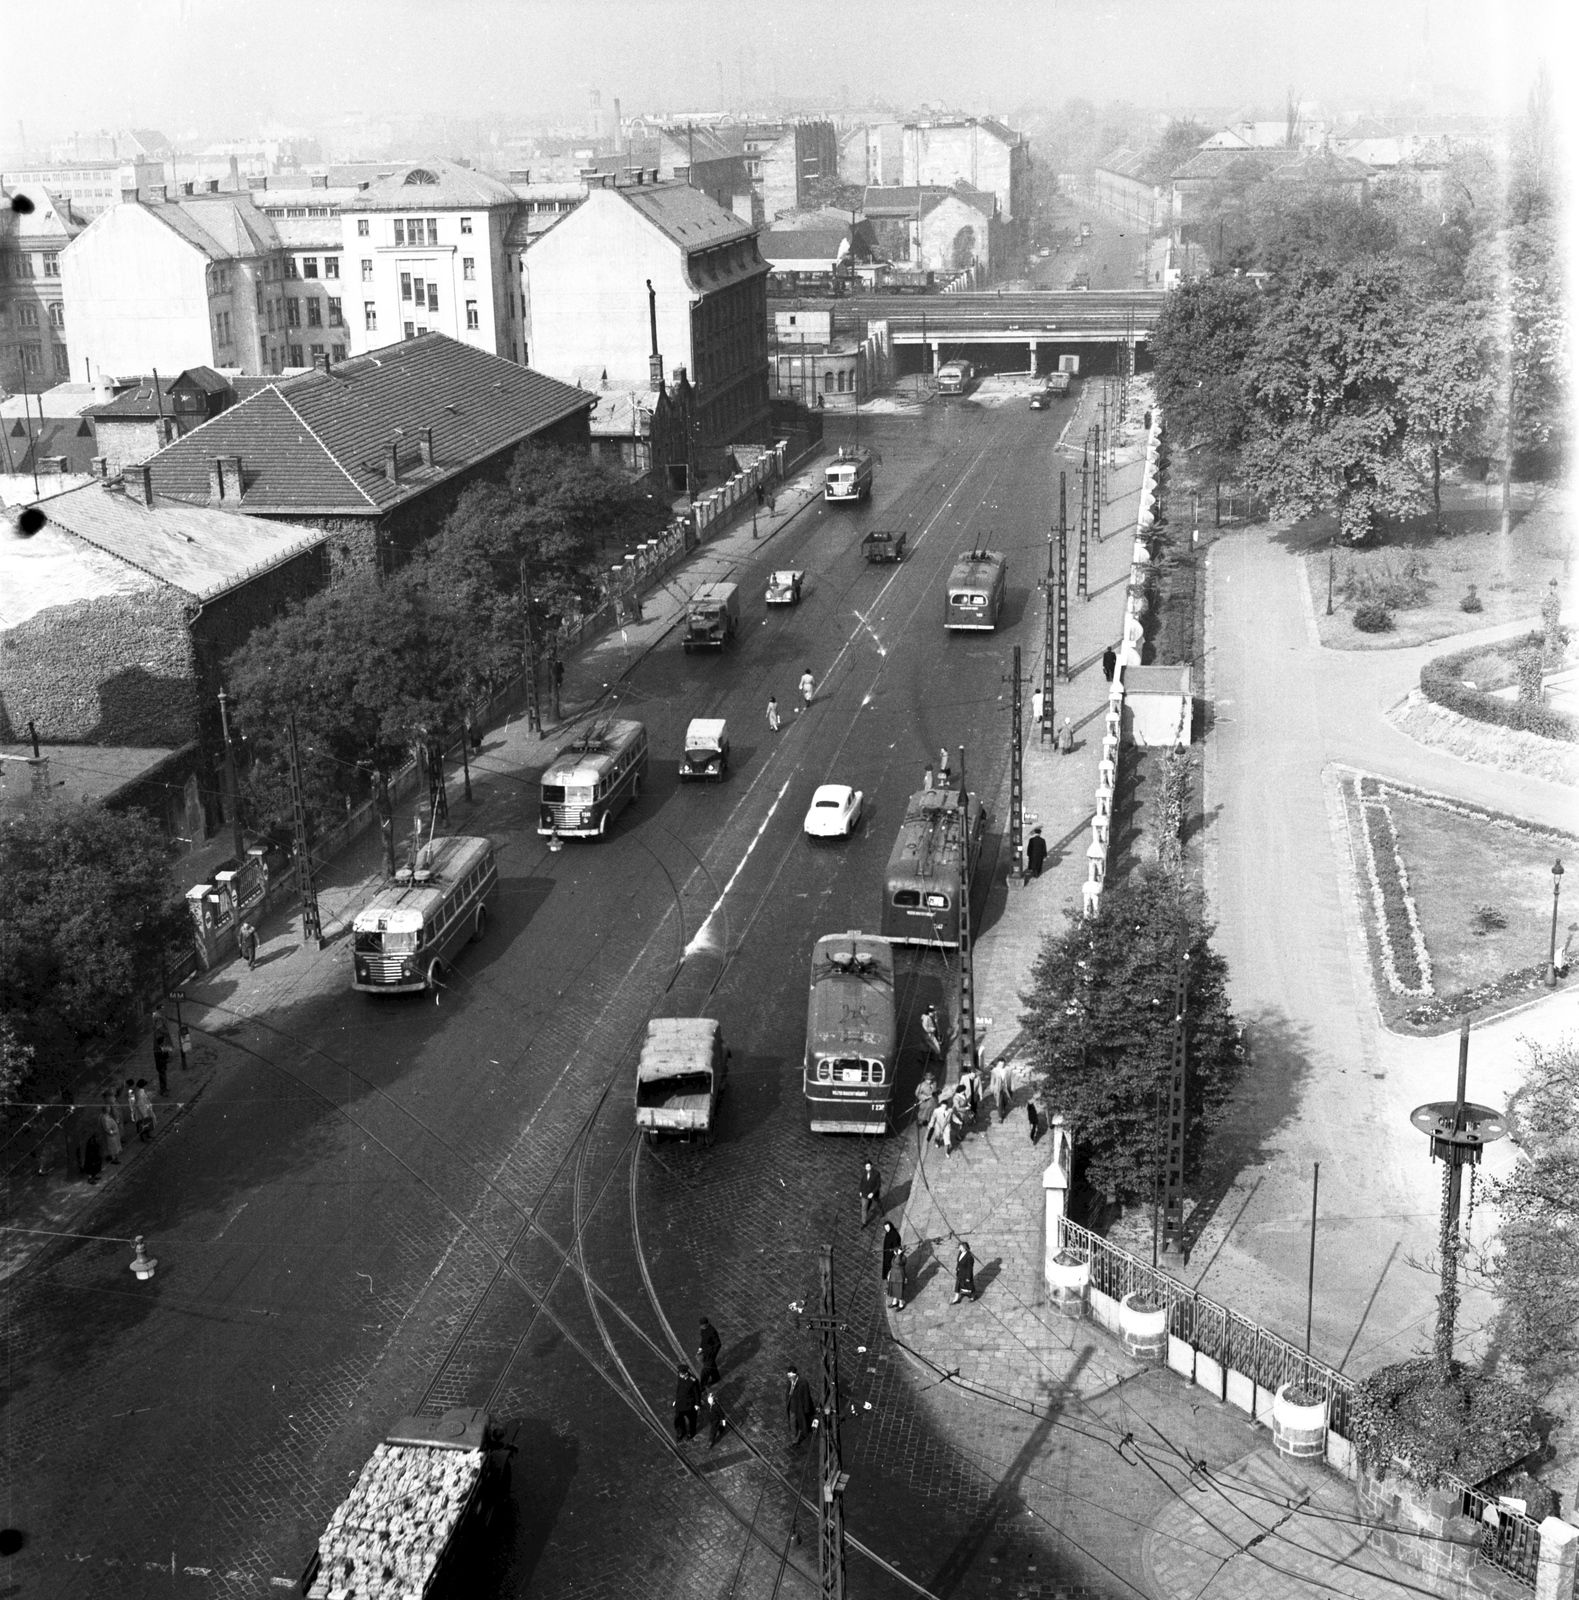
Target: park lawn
x=1457 y=864
x=1510 y=575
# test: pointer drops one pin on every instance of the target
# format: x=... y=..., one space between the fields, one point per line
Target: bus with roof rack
x=973 y=600
x=925 y=877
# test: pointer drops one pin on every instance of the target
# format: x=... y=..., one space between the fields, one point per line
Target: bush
x=1471 y=601
x=1381 y=583
x=1441 y=681
x=1373 y=617
x=1487 y=919
x=1466 y=1428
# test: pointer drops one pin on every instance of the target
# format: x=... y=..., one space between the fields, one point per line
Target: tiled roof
x=70 y=437
x=317 y=442
x=1142 y=166
x=309 y=233
x=138 y=401
x=223 y=226
x=686 y=215
x=901 y=199
x=432 y=186
x=810 y=244
x=1230 y=163
x=192 y=548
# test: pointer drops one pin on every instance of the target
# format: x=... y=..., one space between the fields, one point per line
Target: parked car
x=834 y=813
x=784 y=587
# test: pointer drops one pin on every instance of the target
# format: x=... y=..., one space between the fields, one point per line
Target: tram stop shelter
x=1158 y=705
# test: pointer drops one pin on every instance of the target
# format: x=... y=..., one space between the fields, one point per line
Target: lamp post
x=1332 y=573
x=1557 y=889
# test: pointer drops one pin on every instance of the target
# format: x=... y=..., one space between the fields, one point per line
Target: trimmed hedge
x=1440 y=682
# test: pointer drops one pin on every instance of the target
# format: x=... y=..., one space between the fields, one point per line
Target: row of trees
x=1391 y=339
x=373 y=668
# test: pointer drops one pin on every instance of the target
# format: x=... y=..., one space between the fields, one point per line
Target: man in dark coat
x=797 y=1406
x=1035 y=854
x=891 y=1243
x=162 y=1059
x=1033 y=1116
x=708 y=1346
x=871 y=1192
x=685 y=1399
x=964 y=1275
x=1109 y=663
x=713 y=1414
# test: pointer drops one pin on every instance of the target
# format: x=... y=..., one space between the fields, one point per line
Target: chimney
x=129 y=195
x=425 y=446
x=233 y=483
x=100 y=466
x=186 y=188
x=235 y=174
x=213 y=185
x=641 y=175
x=318 y=180
x=654 y=360
x=392 y=462
x=619 y=138
x=216 y=480
x=654 y=175
x=157 y=193
x=139 y=481
x=321 y=362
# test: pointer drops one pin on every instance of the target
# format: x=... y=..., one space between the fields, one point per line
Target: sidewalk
x=38 y=1207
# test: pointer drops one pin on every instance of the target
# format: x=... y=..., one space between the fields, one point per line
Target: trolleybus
x=974 y=598
x=955 y=377
x=593 y=779
x=849 y=475
x=852 y=1044
x=922 y=887
x=404 y=939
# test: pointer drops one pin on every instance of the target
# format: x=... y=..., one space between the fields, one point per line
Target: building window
x=51 y=263
x=367 y=270
x=471 y=314
x=30 y=356
x=331 y=266
x=293 y=313
x=57 y=315
x=468 y=267
x=316 y=351
x=62 y=362
x=361 y=227
x=24 y=266
x=337 y=352
x=259 y=288
x=315 y=313
x=370 y=316
x=296 y=356
x=419 y=285
x=400 y=230
x=433 y=230
x=414 y=229
x=433 y=297
x=271 y=316
x=290 y=266
x=309 y=266
x=27 y=316
x=466 y=224
x=411 y=330
x=405 y=286
x=335 y=319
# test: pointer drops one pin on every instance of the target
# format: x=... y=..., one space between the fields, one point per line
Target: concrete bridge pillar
x=937 y=357
x=1033 y=358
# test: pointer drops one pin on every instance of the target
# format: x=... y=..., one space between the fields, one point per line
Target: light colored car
x=834 y=813
x=784 y=587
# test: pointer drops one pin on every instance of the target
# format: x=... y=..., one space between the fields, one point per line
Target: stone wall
x=1422 y=1529
x=117 y=670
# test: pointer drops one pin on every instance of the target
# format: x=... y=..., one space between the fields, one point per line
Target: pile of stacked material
x=385 y=1539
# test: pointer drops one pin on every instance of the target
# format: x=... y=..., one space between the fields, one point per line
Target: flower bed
x=1401 y=945
x=1442 y=680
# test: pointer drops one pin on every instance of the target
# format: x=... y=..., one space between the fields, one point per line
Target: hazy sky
x=206 y=66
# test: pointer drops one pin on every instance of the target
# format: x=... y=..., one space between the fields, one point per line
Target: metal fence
x=1511 y=1542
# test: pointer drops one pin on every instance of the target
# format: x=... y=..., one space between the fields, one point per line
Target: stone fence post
x=1555 y=1576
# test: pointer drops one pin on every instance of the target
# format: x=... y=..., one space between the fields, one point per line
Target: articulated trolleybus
x=921 y=891
x=592 y=780
x=975 y=593
x=849 y=475
x=851 y=1041
x=405 y=938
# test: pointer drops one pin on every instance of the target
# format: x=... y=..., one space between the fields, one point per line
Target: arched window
x=841 y=380
x=420 y=175
x=827 y=383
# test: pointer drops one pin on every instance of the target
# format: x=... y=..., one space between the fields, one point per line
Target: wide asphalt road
x=389 y=1206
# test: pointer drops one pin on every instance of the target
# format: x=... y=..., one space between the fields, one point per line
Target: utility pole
x=311 y=927
x=1063 y=603
x=967 y=959
x=833 y=1478
x=386 y=818
x=1178 y=1081
x=1085 y=508
x=556 y=671
x=1096 y=494
x=1459 y=1131
x=534 y=715
x=1050 y=642
x=438 y=798
x=238 y=844
x=1016 y=774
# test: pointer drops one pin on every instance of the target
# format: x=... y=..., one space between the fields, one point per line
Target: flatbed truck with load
x=680 y=1078
x=408 y=1529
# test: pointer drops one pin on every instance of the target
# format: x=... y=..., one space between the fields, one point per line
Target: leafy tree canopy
x=1200 y=345
x=1100 y=1013
x=88 y=916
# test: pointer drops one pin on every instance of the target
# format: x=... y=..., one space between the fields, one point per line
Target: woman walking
x=143 y=1102
x=807 y=685
x=964 y=1275
x=773 y=713
x=896 y=1280
x=110 y=1130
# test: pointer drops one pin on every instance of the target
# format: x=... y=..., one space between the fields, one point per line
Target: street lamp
x=1557 y=889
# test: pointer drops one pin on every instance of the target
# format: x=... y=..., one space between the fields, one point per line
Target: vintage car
x=784 y=587
x=834 y=813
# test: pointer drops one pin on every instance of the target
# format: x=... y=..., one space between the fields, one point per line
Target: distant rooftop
x=432 y=186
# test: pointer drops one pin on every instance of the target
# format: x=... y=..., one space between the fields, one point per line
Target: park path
x=1332 y=1085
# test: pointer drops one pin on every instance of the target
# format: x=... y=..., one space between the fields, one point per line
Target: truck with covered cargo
x=712 y=617
x=680 y=1078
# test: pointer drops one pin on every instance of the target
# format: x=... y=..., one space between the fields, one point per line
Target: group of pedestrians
x=807 y=687
x=696 y=1399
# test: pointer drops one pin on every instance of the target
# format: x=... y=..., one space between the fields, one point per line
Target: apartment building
x=588 y=282
x=88 y=187
x=428 y=249
x=35 y=227
x=979 y=151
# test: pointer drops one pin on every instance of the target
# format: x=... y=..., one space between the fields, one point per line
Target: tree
x=365 y=667
x=1297 y=225
x=87 y=920
x=1445 y=387
x=1533 y=1265
x=1201 y=341
x=1100 y=1018
x=1326 y=378
x=1180 y=140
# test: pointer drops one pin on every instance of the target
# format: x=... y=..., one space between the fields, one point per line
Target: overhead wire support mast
x=967 y=957
x=834 y=1479
x=311 y=927
x=1063 y=600
x=1085 y=513
x=1083 y=576
x=1178 y=1082
x=1050 y=643
x=1016 y=774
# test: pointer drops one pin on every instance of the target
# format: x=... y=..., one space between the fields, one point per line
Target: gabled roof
x=810 y=244
x=1216 y=163
x=901 y=199
x=686 y=215
x=135 y=404
x=1142 y=166
x=317 y=443
x=1321 y=166
x=192 y=548
x=225 y=227
x=432 y=186
x=69 y=437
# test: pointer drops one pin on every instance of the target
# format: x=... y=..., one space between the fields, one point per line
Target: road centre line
x=697 y=939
